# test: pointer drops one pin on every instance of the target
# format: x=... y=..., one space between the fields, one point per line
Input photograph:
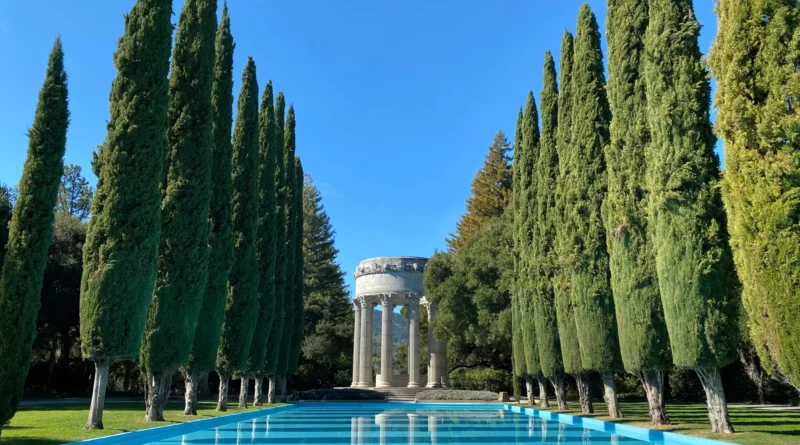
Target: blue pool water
x=396 y=424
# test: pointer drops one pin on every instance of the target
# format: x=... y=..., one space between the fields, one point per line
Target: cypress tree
x=754 y=60
x=547 y=340
x=695 y=267
x=276 y=332
x=518 y=348
x=125 y=223
x=241 y=305
x=644 y=342
x=5 y=219
x=186 y=196
x=220 y=239
x=30 y=233
x=562 y=281
x=299 y=312
x=265 y=244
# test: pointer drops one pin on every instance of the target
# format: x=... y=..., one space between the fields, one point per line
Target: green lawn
x=753 y=427
x=60 y=423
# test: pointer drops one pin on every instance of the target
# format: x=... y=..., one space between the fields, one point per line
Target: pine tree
x=491 y=192
x=265 y=245
x=544 y=263
x=643 y=338
x=30 y=233
x=278 y=323
x=220 y=239
x=518 y=347
x=562 y=281
x=299 y=292
x=186 y=196
x=754 y=60
x=125 y=224
x=687 y=220
x=241 y=306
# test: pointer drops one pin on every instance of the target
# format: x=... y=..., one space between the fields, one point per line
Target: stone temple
x=391 y=282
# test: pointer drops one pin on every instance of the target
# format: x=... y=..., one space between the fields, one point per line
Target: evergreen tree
x=544 y=260
x=643 y=338
x=30 y=233
x=754 y=60
x=220 y=238
x=299 y=291
x=562 y=281
x=687 y=221
x=5 y=219
x=74 y=194
x=125 y=224
x=518 y=348
x=265 y=244
x=186 y=196
x=241 y=306
x=491 y=192
x=276 y=332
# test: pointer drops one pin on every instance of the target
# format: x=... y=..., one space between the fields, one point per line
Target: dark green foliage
x=755 y=61
x=299 y=300
x=74 y=193
x=518 y=361
x=265 y=244
x=696 y=275
x=289 y=300
x=241 y=306
x=567 y=163
x=644 y=342
x=220 y=238
x=544 y=262
x=5 y=219
x=595 y=316
x=186 y=194
x=274 y=345
x=125 y=225
x=31 y=232
x=482 y=396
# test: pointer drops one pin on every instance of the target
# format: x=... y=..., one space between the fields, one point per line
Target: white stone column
x=434 y=381
x=413 y=341
x=365 y=361
x=356 y=342
x=386 y=340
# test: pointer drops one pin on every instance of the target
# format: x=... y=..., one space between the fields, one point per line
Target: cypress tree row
x=265 y=245
x=220 y=239
x=568 y=163
x=186 y=195
x=241 y=305
x=31 y=232
x=754 y=61
x=518 y=348
x=547 y=339
x=644 y=342
x=299 y=313
x=695 y=268
x=5 y=218
x=276 y=332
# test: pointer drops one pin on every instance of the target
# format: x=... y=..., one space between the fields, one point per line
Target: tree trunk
x=66 y=342
x=244 y=390
x=653 y=383
x=751 y=367
x=543 y=402
x=271 y=390
x=51 y=364
x=202 y=386
x=610 y=395
x=160 y=385
x=529 y=390
x=284 y=393
x=126 y=379
x=258 y=390
x=95 y=420
x=584 y=397
x=190 y=378
x=715 y=399
x=558 y=388
x=222 y=402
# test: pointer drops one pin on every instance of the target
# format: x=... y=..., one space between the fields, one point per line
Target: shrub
x=485 y=396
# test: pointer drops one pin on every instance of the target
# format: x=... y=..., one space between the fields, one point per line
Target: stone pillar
x=413 y=341
x=356 y=343
x=434 y=381
x=387 y=322
x=365 y=361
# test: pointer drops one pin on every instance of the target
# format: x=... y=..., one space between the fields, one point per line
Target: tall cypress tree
x=562 y=281
x=31 y=232
x=754 y=60
x=186 y=195
x=299 y=295
x=695 y=268
x=265 y=244
x=220 y=239
x=643 y=338
x=518 y=348
x=276 y=332
x=241 y=305
x=547 y=340
x=5 y=219
x=125 y=223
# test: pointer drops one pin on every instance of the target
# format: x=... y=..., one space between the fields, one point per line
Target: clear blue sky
x=396 y=100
